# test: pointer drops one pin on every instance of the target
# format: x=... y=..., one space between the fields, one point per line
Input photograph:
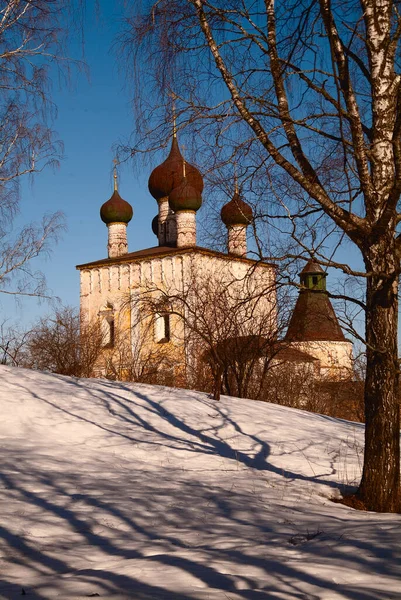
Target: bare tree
x=61 y=344
x=13 y=341
x=308 y=95
x=17 y=277
x=89 y=344
x=219 y=325
x=32 y=43
x=128 y=358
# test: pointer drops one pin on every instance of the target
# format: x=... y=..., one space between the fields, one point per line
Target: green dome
x=155 y=225
x=116 y=210
x=236 y=212
x=185 y=197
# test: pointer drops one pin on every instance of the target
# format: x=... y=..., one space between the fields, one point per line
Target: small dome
x=312 y=267
x=185 y=197
x=236 y=212
x=155 y=225
x=168 y=175
x=116 y=210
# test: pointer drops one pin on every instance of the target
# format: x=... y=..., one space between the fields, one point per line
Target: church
x=134 y=295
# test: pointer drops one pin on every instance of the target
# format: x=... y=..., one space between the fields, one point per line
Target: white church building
x=113 y=288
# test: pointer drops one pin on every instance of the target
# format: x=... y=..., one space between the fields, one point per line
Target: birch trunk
x=380 y=486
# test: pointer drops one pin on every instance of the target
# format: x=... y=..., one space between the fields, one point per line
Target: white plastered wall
x=117 y=285
x=335 y=358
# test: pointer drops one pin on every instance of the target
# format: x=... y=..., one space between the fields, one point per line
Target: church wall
x=104 y=293
x=119 y=285
x=335 y=358
x=244 y=281
x=124 y=286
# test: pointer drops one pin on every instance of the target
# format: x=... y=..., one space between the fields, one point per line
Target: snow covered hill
x=115 y=490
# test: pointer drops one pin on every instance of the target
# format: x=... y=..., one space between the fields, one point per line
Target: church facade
x=134 y=295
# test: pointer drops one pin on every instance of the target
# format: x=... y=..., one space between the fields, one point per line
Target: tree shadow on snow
x=164 y=533
x=196 y=439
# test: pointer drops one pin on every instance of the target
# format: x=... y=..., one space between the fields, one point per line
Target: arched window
x=162 y=328
x=108 y=326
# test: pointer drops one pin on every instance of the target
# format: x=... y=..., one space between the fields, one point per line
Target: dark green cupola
x=313 y=277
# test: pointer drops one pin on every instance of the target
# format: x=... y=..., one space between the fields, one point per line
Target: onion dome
x=168 y=175
x=116 y=210
x=236 y=212
x=185 y=196
x=155 y=225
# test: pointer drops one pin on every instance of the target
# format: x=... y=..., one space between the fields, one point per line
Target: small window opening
x=162 y=328
x=108 y=326
x=111 y=332
x=166 y=319
x=315 y=280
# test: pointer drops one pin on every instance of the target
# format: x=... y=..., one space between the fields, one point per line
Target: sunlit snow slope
x=134 y=491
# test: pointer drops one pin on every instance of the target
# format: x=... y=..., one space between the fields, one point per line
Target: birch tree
x=308 y=94
x=32 y=53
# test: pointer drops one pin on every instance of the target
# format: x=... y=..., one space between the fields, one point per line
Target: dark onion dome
x=236 y=212
x=155 y=225
x=168 y=175
x=116 y=210
x=185 y=197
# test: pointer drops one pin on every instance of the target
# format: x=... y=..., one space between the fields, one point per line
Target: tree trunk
x=380 y=485
x=217 y=376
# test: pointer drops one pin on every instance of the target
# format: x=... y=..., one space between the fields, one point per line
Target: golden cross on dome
x=184 y=164
x=173 y=99
x=115 y=161
x=235 y=178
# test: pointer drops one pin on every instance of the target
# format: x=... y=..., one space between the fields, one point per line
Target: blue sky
x=94 y=115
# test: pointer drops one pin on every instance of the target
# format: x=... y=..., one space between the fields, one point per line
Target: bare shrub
x=61 y=344
x=226 y=331
x=131 y=358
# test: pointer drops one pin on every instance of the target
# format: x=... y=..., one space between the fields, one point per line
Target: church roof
x=159 y=251
x=314 y=319
x=256 y=345
x=312 y=267
x=185 y=197
x=116 y=210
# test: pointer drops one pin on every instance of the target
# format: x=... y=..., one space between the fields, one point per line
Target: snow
x=123 y=490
